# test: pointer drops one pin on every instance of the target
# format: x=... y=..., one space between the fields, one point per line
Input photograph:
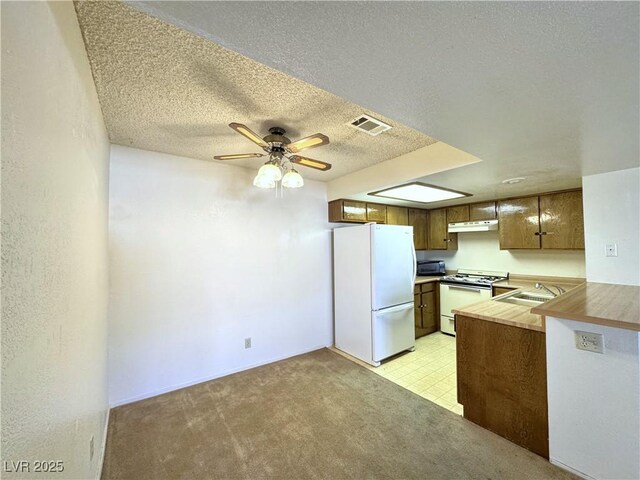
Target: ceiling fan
x=282 y=155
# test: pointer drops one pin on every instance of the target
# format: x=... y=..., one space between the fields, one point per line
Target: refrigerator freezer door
x=392 y=265
x=393 y=331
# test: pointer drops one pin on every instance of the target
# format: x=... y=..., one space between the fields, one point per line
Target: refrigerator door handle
x=415 y=263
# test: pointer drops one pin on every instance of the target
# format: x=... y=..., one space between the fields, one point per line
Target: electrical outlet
x=611 y=250
x=247 y=342
x=91 y=448
x=591 y=342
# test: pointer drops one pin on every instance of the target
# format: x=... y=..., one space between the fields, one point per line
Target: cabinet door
x=561 y=220
x=417 y=311
x=429 y=312
x=376 y=213
x=397 y=215
x=418 y=220
x=458 y=214
x=519 y=223
x=353 y=211
x=437 y=238
x=482 y=211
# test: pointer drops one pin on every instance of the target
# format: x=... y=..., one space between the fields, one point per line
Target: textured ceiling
x=164 y=89
x=546 y=90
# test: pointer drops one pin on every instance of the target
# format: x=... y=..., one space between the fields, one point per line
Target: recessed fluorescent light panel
x=419 y=192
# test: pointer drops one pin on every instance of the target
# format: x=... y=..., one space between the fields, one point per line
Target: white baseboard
x=569 y=469
x=171 y=388
x=104 y=443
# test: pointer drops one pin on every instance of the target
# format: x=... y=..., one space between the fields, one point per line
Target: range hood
x=481 y=226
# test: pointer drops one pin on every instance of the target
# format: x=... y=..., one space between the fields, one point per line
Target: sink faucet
x=561 y=290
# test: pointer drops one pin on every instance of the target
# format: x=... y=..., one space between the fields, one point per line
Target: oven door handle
x=473 y=289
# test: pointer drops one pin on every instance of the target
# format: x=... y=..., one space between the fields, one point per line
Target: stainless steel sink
x=525 y=299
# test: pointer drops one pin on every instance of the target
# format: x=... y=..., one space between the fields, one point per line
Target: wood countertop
x=516 y=315
x=433 y=278
x=599 y=303
x=505 y=313
x=526 y=281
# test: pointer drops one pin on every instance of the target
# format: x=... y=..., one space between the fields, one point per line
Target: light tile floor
x=430 y=371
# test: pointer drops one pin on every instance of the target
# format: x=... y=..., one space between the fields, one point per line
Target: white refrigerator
x=374 y=273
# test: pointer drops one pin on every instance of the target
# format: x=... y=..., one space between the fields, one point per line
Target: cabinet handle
x=446 y=239
x=539 y=234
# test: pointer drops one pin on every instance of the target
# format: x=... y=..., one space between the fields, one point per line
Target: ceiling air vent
x=369 y=125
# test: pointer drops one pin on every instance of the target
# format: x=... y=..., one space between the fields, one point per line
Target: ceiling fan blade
x=311 y=141
x=237 y=156
x=248 y=133
x=310 y=162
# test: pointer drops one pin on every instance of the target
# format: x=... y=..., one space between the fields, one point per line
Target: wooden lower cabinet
x=426 y=309
x=502 y=381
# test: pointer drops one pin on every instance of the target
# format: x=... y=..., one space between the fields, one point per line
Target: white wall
x=55 y=155
x=481 y=251
x=200 y=259
x=612 y=215
x=594 y=401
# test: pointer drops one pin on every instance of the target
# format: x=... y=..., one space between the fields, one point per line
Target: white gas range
x=464 y=288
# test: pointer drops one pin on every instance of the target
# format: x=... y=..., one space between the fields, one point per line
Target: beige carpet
x=315 y=416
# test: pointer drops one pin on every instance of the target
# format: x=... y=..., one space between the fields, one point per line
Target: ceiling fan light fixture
x=261 y=181
x=292 y=179
x=270 y=171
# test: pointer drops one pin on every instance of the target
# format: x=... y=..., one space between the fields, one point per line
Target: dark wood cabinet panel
x=482 y=211
x=439 y=238
x=562 y=220
x=397 y=215
x=458 y=214
x=429 y=312
x=426 y=313
x=376 y=213
x=519 y=225
x=502 y=381
x=418 y=220
x=347 y=211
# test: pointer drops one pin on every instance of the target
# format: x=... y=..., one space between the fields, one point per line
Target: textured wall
x=612 y=215
x=54 y=243
x=199 y=260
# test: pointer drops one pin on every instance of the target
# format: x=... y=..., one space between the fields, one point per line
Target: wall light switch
x=611 y=250
x=247 y=342
x=591 y=342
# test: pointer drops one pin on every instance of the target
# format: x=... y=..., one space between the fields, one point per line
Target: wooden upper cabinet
x=418 y=220
x=482 y=211
x=561 y=220
x=347 y=211
x=356 y=212
x=376 y=213
x=519 y=225
x=458 y=214
x=439 y=238
x=397 y=215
